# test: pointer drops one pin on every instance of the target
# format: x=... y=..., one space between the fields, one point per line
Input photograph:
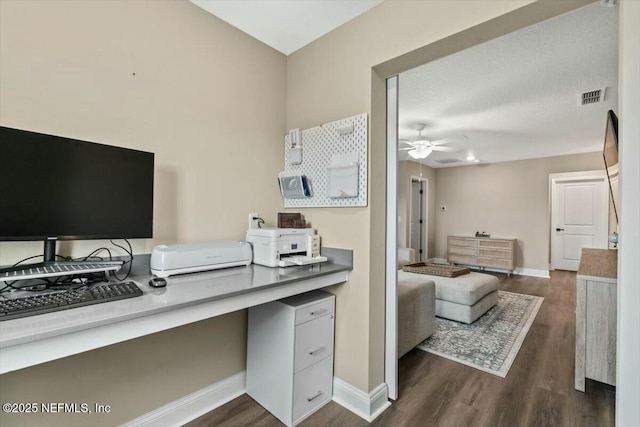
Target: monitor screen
x=62 y=188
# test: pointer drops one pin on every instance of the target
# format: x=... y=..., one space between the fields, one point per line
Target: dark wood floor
x=538 y=390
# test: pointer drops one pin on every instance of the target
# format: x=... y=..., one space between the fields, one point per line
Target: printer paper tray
x=300 y=260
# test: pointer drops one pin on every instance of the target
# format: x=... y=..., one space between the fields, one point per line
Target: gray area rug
x=492 y=342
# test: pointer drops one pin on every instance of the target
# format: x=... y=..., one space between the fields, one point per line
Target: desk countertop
x=186 y=299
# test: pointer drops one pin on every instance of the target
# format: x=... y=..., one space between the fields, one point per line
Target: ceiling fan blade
x=406 y=148
x=412 y=144
x=439 y=148
x=449 y=139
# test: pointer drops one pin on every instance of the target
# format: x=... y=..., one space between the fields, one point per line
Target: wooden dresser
x=482 y=252
x=596 y=322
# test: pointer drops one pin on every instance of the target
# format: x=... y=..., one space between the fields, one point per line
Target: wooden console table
x=596 y=310
x=482 y=252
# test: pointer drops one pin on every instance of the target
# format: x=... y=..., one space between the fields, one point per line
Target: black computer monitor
x=57 y=188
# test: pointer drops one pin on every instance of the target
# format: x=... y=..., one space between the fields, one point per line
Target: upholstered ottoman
x=416 y=311
x=465 y=298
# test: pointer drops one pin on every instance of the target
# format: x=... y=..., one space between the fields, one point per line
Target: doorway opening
x=388 y=140
x=418 y=217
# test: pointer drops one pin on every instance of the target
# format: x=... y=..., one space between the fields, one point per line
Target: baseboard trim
x=532 y=272
x=365 y=405
x=191 y=406
x=179 y=412
x=519 y=270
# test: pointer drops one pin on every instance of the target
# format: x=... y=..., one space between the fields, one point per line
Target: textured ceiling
x=286 y=25
x=516 y=97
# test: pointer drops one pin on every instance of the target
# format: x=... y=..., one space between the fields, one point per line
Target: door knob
x=559 y=229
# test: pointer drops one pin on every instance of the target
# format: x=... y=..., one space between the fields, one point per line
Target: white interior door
x=579 y=216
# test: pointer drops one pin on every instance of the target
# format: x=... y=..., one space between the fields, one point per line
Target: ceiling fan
x=421 y=147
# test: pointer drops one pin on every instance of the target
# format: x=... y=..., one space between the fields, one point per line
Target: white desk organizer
x=293 y=185
x=334 y=159
x=342 y=176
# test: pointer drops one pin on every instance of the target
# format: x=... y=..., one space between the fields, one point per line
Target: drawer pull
x=316 y=351
x=311 y=399
x=318 y=312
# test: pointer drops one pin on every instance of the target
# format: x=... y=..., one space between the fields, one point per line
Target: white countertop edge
x=25 y=354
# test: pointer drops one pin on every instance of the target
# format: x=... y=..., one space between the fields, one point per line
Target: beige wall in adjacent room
x=508 y=199
x=407 y=170
x=330 y=79
x=209 y=101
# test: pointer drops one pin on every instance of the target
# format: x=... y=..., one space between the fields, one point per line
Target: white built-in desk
x=186 y=299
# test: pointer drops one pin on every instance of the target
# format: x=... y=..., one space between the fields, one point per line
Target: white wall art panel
x=323 y=149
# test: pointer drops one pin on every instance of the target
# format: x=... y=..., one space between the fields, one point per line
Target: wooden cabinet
x=596 y=311
x=290 y=355
x=482 y=252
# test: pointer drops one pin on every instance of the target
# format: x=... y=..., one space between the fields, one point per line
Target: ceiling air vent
x=591 y=97
x=445 y=161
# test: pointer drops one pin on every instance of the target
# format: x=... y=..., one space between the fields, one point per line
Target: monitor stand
x=50 y=267
x=49 y=251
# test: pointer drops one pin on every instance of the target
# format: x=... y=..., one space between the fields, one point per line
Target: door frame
x=567 y=177
x=425 y=212
x=628 y=274
x=391 y=237
x=437 y=48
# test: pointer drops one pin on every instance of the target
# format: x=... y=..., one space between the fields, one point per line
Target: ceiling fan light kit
x=422 y=147
x=420 y=153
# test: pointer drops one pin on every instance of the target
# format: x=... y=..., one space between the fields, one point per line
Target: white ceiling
x=286 y=25
x=514 y=97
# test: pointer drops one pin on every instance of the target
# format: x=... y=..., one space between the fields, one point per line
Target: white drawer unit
x=290 y=355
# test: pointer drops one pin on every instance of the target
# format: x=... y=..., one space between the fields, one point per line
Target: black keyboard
x=72 y=298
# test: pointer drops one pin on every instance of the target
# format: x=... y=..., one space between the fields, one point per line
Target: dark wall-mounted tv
x=610 y=154
x=57 y=188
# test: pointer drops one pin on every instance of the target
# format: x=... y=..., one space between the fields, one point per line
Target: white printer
x=284 y=247
x=168 y=260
